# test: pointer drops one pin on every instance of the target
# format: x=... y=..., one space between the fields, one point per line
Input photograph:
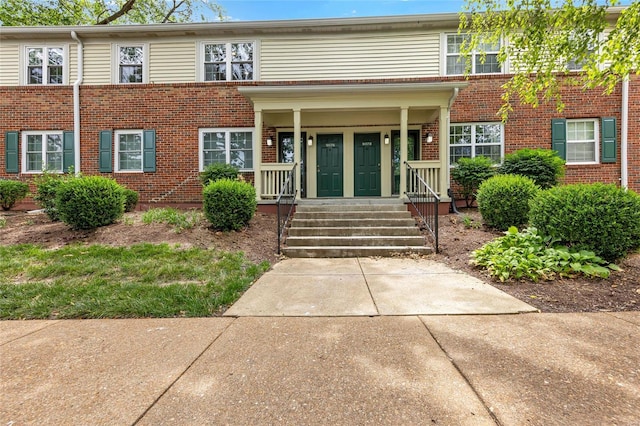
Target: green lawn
x=143 y=280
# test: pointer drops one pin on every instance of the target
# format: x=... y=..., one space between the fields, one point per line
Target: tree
x=102 y=12
x=547 y=39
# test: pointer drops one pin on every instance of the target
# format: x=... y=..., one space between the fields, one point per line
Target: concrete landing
x=371 y=287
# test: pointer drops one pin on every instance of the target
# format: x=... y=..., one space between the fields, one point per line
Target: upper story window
x=131 y=61
x=480 y=64
x=45 y=65
x=231 y=146
x=228 y=61
x=476 y=139
x=42 y=151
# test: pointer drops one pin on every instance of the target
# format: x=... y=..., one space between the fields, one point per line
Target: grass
x=178 y=219
x=139 y=281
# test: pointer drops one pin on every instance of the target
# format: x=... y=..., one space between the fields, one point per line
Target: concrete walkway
x=534 y=369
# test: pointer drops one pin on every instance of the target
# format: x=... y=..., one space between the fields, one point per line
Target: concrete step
x=361 y=241
x=353 y=215
x=350 y=208
x=310 y=231
x=349 y=223
x=348 y=251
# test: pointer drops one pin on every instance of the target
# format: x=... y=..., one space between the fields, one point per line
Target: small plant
x=89 y=202
x=601 y=218
x=130 y=199
x=470 y=223
x=529 y=255
x=12 y=191
x=217 y=171
x=503 y=200
x=3 y=222
x=470 y=173
x=543 y=166
x=171 y=216
x=229 y=204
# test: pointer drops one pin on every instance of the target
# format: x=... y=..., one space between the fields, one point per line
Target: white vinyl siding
x=352 y=57
x=172 y=62
x=9 y=64
x=97 y=63
x=72 y=55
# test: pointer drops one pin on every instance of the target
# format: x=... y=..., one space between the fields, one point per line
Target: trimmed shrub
x=470 y=173
x=503 y=200
x=229 y=204
x=47 y=185
x=543 y=166
x=130 y=199
x=89 y=202
x=601 y=218
x=217 y=171
x=12 y=191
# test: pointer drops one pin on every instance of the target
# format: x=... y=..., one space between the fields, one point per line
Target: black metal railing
x=424 y=201
x=285 y=202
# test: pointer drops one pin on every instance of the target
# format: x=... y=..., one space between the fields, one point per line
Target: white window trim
x=200 y=74
x=444 y=55
x=24 y=62
x=44 y=134
x=227 y=142
x=116 y=150
x=473 y=143
x=115 y=61
x=596 y=141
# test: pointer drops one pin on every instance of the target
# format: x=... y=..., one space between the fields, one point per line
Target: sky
x=254 y=10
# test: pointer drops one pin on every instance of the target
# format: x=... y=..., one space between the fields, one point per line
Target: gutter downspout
x=76 y=102
x=624 y=125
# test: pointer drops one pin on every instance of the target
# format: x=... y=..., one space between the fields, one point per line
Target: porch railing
x=428 y=171
x=274 y=175
x=285 y=202
x=425 y=202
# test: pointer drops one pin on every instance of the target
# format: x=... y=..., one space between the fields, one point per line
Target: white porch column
x=404 y=136
x=257 y=153
x=443 y=153
x=297 y=134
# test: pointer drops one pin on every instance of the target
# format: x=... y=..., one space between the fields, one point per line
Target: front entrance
x=330 y=168
x=366 y=164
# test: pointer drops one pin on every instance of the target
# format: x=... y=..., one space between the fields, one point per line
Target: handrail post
x=288 y=191
x=420 y=196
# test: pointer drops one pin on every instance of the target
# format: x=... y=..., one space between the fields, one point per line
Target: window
x=42 y=151
x=576 y=64
x=228 y=61
x=456 y=64
x=128 y=150
x=475 y=139
x=130 y=64
x=45 y=65
x=231 y=146
x=582 y=141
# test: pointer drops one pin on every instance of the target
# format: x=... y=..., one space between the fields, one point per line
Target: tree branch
x=123 y=11
x=172 y=10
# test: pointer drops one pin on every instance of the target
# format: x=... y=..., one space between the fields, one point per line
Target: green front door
x=330 y=174
x=367 y=164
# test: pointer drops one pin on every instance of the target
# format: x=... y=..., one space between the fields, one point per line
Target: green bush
x=89 y=202
x=217 y=171
x=529 y=255
x=130 y=199
x=12 y=191
x=470 y=173
x=503 y=200
x=46 y=188
x=229 y=204
x=601 y=218
x=543 y=166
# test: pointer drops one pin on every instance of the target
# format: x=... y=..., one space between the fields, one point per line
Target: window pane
x=458 y=152
x=130 y=161
x=581 y=152
x=35 y=75
x=490 y=65
x=55 y=75
x=240 y=140
x=34 y=162
x=242 y=52
x=460 y=135
x=130 y=142
x=54 y=143
x=455 y=65
x=213 y=141
x=241 y=152
x=210 y=157
x=215 y=53
x=132 y=55
x=54 y=161
x=454 y=42
x=55 y=56
x=35 y=57
x=131 y=74
x=34 y=143
x=242 y=71
x=242 y=159
x=286 y=150
x=215 y=72
x=490 y=151
x=488 y=133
